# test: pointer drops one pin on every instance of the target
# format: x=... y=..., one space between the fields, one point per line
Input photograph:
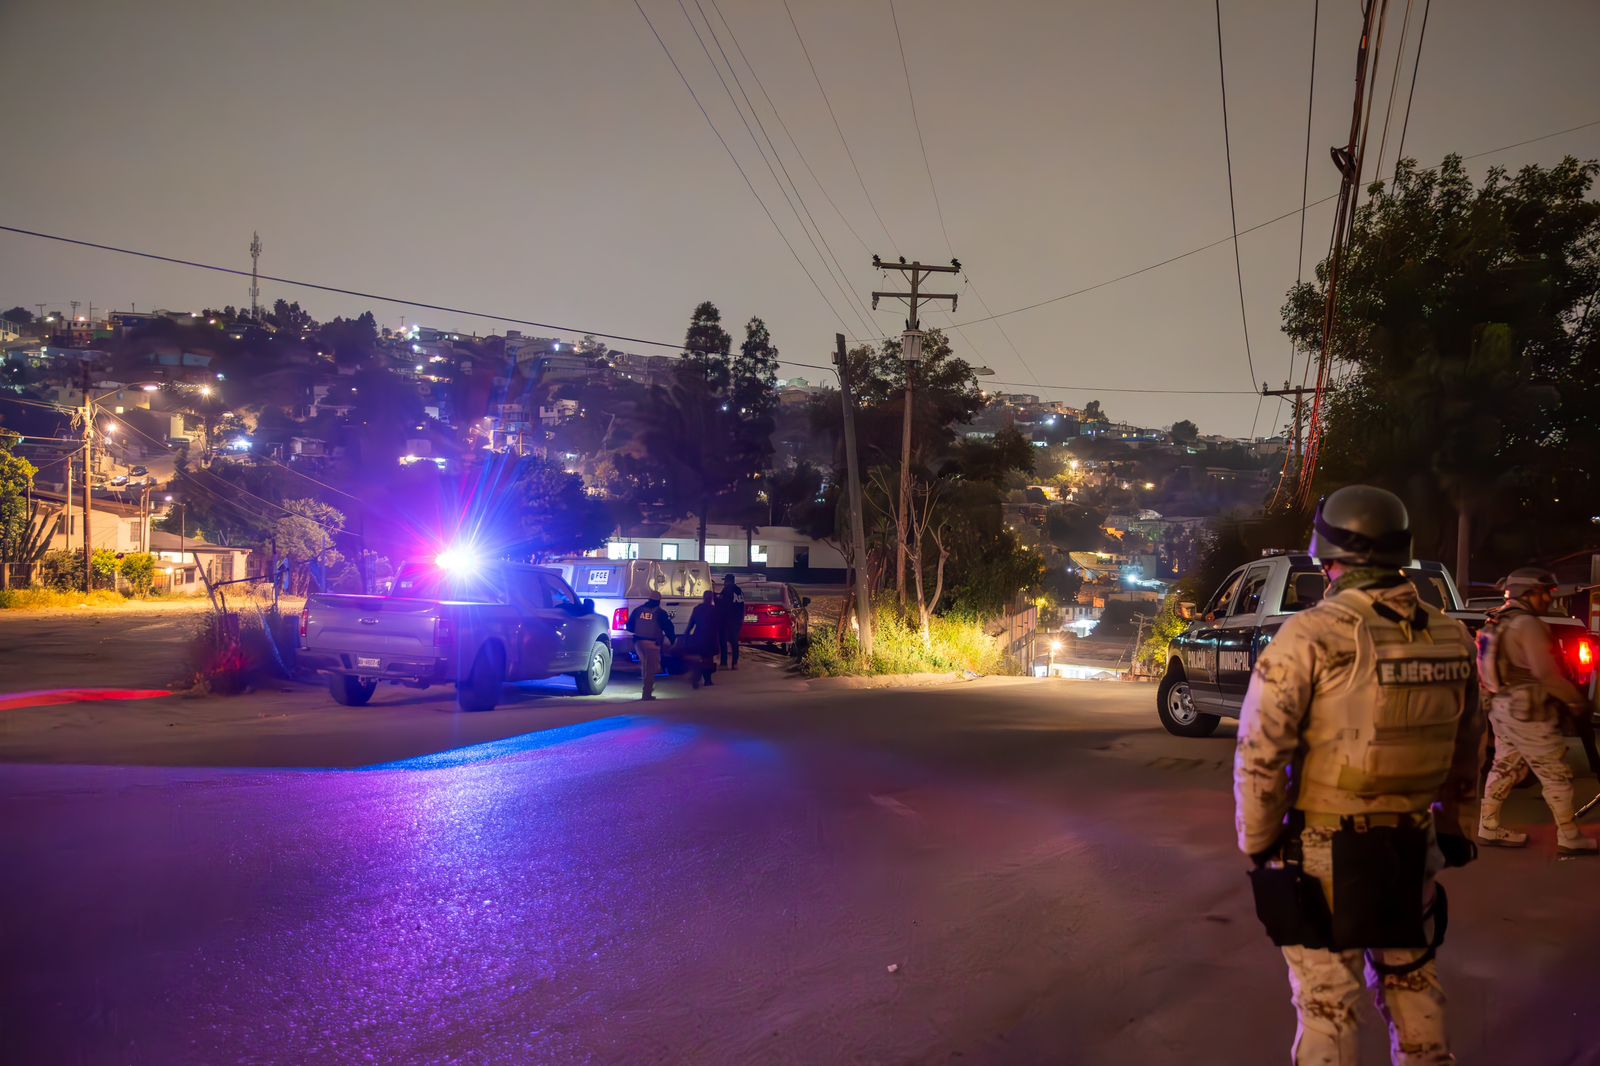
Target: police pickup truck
x=1209 y=664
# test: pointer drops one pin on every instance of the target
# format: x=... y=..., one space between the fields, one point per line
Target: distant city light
x=205 y=390
x=240 y=444
x=149 y=388
x=111 y=427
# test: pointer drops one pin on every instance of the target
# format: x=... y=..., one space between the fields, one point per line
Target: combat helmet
x=1361 y=525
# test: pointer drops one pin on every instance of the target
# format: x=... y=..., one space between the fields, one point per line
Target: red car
x=774 y=614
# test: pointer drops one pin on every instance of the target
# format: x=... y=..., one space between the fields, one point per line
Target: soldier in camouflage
x=1529 y=696
x=1360 y=723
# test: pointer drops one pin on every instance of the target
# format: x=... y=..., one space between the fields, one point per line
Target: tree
x=1464 y=317
x=16 y=511
x=705 y=349
x=61 y=571
x=555 y=513
x=139 y=571
x=19 y=317
x=223 y=503
x=1092 y=412
x=103 y=563
x=290 y=317
x=753 y=394
x=995 y=460
x=353 y=340
x=1184 y=432
x=306 y=532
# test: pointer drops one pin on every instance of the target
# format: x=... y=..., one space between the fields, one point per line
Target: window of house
x=669 y=551
x=758 y=553
x=623 y=549
x=717 y=553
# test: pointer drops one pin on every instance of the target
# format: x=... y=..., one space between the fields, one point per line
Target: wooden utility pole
x=858 y=535
x=910 y=354
x=88 y=483
x=1299 y=395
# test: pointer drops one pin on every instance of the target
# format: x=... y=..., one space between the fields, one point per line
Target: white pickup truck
x=620 y=586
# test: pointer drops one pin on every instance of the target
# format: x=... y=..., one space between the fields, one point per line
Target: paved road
x=723 y=878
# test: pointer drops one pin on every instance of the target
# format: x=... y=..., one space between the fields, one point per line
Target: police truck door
x=1237 y=636
x=1198 y=646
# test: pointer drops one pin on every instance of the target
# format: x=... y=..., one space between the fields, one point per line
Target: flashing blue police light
x=456 y=561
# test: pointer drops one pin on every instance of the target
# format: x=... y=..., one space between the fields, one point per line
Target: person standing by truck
x=1358 y=743
x=701 y=639
x=1528 y=696
x=651 y=628
x=730 y=620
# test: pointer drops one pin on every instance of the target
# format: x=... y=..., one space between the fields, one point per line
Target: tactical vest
x=1382 y=736
x=647 y=624
x=1512 y=687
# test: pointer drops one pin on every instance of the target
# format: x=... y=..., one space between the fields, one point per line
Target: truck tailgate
x=371 y=625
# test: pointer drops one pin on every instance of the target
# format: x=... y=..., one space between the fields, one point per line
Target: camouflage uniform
x=1362 y=703
x=1526 y=712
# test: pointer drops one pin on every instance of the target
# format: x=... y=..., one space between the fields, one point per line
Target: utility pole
x=858 y=537
x=88 y=483
x=75 y=304
x=255 y=283
x=1299 y=395
x=910 y=354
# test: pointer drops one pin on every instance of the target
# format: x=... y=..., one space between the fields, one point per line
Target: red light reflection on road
x=17 y=701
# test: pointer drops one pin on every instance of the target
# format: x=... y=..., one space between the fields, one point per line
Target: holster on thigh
x=1378 y=878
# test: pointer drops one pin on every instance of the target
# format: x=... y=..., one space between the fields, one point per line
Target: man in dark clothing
x=730 y=613
x=651 y=628
x=701 y=638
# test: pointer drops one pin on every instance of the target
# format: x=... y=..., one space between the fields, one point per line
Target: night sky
x=543 y=160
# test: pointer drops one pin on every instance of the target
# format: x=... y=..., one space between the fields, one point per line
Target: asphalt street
x=1005 y=870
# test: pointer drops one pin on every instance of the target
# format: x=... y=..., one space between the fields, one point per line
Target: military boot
x=1570 y=842
x=1492 y=833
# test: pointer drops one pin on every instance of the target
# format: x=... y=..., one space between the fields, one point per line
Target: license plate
x=751 y=618
x=366 y=662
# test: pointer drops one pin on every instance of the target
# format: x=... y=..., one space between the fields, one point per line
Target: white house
x=781 y=551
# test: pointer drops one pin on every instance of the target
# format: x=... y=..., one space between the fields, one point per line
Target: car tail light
x=1581 y=656
x=305 y=621
x=619 y=618
x=444 y=632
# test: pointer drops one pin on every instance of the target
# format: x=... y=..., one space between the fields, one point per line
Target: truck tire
x=1175 y=706
x=593 y=680
x=350 y=691
x=480 y=691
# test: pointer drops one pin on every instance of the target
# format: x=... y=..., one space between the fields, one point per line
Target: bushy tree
x=16 y=512
x=1184 y=432
x=306 y=533
x=103 y=564
x=18 y=317
x=61 y=571
x=139 y=571
x=1467 y=340
x=555 y=514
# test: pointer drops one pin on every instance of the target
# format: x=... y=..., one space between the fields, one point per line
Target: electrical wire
x=1233 y=211
x=748 y=184
x=917 y=125
x=1422 y=36
x=823 y=251
x=1249 y=229
x=793 y=143
x=837 y=128
x=1394 y=84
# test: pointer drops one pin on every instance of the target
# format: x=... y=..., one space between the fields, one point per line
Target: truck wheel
x=1175 y=705
x=351 y=691
x=481 y=689
x=593 y=681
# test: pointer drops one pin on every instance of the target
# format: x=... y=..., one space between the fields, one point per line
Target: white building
x=781 y=551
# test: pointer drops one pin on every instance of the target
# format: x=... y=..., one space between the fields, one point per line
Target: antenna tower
x=255 y=285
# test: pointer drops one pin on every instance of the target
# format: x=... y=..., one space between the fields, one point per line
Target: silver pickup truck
x=476 y=627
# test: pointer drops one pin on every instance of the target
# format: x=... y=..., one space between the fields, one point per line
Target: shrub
x=42 y=598
x=61 y=571
x=139 y=571
x=104 y=566
x=956 y=642
x=1169 y=624
x=229 y=653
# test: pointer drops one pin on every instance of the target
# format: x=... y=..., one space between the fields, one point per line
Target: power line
x=824 y=252
x=1251 y=229
x=1074 y=388
x=740 y=168
x=1422 y=36
x=795 y=144
x=1227 y=148
x=917 y=125
x=1394 y=84
x=837 y=128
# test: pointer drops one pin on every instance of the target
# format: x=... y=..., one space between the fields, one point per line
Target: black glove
x=1457 y=850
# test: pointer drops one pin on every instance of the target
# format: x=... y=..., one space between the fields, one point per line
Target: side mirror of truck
x=588 y=606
